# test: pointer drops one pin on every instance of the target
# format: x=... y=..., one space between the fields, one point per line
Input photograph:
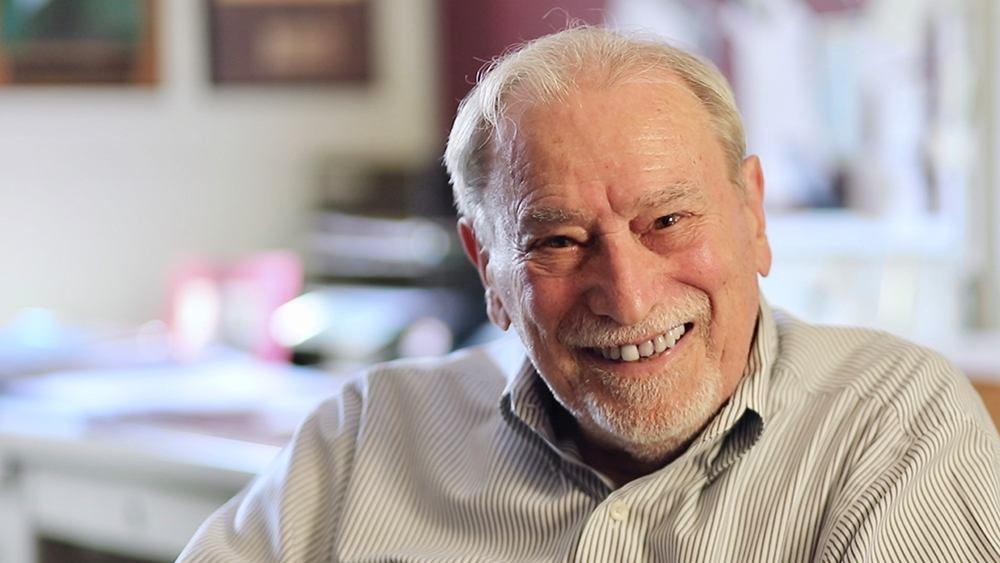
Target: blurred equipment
x=353 y=245
x=365 y=324
x=387 y=274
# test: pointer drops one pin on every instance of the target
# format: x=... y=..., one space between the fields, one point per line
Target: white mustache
x=584 y=330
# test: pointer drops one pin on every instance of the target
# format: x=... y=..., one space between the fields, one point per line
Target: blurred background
x=875 y=120
x=200 y=197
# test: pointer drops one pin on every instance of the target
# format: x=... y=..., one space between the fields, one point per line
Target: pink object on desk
x=231 y=303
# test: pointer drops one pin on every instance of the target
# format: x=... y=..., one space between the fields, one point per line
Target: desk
x=131 y=462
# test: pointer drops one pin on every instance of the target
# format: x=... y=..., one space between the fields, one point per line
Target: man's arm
x=939 y=502
x=291 y=512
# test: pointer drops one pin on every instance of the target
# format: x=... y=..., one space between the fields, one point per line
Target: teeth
x=676 y=333
x=632 y=352
x=660 y=344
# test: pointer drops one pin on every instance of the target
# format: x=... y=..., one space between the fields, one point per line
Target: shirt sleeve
x=291 y=512
x=939 y=502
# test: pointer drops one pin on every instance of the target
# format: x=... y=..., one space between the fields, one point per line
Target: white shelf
x=905 y=275
x=821 y=232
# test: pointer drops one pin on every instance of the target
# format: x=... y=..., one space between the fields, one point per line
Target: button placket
x=618 y=511
x=616 y=527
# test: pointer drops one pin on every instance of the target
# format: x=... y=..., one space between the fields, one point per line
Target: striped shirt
x=838 y=445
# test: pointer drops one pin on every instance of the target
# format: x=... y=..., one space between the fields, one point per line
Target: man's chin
x=649 y=432
x=645 y=444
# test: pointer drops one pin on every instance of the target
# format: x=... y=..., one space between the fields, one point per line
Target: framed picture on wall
x=290 y=41
x=78 y=42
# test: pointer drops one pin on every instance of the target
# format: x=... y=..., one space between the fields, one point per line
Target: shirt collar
x=531 y=400
x=743 y=418
x=752 y=393
x=731 y=433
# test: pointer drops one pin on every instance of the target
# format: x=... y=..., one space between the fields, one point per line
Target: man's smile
x=644 y=349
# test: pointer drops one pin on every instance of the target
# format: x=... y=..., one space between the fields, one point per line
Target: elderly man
x=664 y=412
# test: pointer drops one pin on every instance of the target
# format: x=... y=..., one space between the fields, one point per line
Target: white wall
x=989 y=296
x=101 y=187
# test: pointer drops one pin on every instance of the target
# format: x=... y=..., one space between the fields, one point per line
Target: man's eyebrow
x=552 y=215
x=657 y=198
x=668 y=195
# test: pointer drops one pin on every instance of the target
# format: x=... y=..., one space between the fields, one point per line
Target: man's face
x=626 y=259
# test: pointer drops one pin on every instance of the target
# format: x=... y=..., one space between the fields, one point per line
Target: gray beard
x=643 y=417
x=648 y=418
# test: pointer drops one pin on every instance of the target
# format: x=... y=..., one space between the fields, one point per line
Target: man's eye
x=666 y=221
x=557 y=242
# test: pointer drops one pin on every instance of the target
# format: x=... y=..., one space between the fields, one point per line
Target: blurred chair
x=990 y=392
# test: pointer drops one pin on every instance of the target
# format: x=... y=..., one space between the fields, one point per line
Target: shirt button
x=619 y=511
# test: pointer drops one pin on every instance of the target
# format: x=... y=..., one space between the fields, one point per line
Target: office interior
x=194 y=252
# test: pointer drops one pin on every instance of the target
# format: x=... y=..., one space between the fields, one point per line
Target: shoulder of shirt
x=477 y=374
x=496 y=360
x=919 y=384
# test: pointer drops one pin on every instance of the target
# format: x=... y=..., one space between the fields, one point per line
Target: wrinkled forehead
x=524 y=104
x=645 y=106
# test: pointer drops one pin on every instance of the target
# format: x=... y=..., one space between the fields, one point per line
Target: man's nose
x=624 y=280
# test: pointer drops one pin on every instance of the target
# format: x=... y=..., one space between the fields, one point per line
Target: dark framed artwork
x=78 y=42
x=290 y=41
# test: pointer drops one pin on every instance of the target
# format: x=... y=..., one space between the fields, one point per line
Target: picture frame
x=109 y=42
x=290 y=41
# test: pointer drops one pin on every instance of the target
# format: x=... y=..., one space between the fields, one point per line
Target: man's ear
x=479 y=255
x=753 y=179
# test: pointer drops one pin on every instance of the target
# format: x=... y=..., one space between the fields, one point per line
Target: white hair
x=550 y=68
